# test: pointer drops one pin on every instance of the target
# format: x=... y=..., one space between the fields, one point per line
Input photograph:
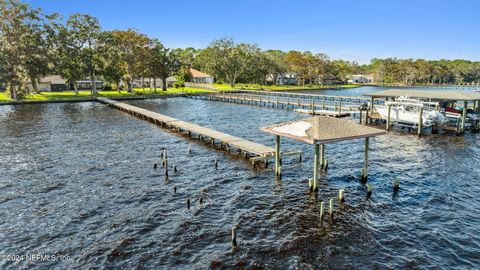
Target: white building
x=200 y=77
x=52 y=83
x=149 y=82
x=287 y=79
x=359 y=78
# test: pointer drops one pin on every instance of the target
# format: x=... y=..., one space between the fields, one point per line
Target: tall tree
x=225 y=59
x=84 y=41
x=18 y=26
x=163 y=61
x=132 y=47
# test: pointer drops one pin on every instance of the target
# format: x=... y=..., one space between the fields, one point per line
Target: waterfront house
x=86 y=84
x=287 y=79
x=359 y=78
x=56 y=83
x=52 y=83
x=149 y=82
x=199 y=77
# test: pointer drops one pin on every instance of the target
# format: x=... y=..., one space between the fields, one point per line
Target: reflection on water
x=77 y=179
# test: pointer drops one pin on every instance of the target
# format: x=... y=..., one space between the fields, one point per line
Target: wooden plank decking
x=245 y=146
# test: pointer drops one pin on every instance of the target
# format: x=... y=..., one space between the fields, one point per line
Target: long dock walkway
x=337 y=106
x=246 y=147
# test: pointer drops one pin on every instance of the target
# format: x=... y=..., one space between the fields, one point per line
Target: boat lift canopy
x=321 y=130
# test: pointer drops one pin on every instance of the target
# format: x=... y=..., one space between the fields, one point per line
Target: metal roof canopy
x=427 y=94
x=322 y=130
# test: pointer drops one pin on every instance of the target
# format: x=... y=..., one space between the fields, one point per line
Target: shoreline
x=80 y=100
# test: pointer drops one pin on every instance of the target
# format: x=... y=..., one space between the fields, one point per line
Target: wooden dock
x=254 y=151
x=335 y=105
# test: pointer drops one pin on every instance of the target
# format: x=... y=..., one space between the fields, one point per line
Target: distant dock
x=316 y=104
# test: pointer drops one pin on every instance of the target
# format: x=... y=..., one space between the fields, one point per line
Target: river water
x=77 y=181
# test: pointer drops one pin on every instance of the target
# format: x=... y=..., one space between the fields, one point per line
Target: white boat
x=406 y=111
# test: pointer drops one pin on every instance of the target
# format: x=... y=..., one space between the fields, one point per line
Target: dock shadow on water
x=78 y=180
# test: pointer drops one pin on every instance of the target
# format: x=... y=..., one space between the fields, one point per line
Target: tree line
x=34 y=44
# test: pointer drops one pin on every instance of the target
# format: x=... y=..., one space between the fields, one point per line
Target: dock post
x=464 y=116
x=366 y=117
x=277 y=156
x=340 y=106
x=315 y=166
x=313 y=107
x=330 y=208
x=420 y=121
x=364 y=175
x=341 y=195
x=234 y=236
x=388 y=117
x=322 y=156
x=322 y=211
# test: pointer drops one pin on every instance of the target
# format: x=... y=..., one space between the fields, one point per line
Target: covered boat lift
x=321 y=130
x=467 y=97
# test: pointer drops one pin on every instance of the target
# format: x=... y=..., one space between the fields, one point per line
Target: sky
x=343 y=29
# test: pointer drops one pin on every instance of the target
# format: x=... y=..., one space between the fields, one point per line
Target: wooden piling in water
x=396 y=185
x=420 y=121
x=364 y=174
x=330 y=208
x=464 y=116
x=388 y=117
x=234 y=236
x=277 y=156
x=341 y=195
x=321 y=211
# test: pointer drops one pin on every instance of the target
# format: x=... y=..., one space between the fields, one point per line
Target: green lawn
x=85 y=94
x=243 y=86
x=140 y=92
x=3 y=97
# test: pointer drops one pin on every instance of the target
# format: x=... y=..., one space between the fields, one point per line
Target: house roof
x=53 y=79
x=198 y=74
x=428 y=94
x=322 y=130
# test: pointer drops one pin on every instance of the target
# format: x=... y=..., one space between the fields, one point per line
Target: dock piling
x=341 y=195
x=464 y=116
x=316 y=160
x=277 y=156
x=321 y=211
x=234 y=236
x=420 y=121
x=396 y=185
x=369 y=190
x=364 y=175
x=330 y=208
x=388 y=117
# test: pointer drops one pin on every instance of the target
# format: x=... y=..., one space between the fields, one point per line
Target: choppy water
x=77 y=180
